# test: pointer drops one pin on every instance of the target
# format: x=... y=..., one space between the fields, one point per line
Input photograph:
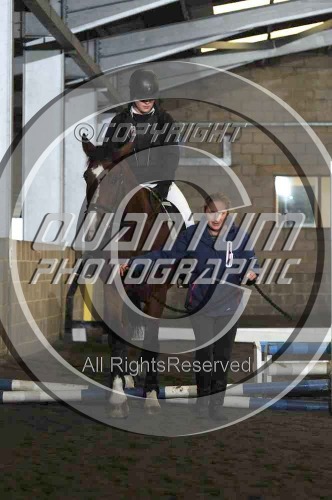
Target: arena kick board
x=250 y=335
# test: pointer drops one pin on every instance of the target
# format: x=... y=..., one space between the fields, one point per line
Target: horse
x=108 y=181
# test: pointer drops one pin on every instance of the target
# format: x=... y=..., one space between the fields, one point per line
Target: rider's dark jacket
x=218 y=299
x=149 y=133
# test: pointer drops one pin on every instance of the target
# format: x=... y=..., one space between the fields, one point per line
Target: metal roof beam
x=300 y=44
x=67 y=40
x=228 y=61
x=88 y=15
x=156 y=43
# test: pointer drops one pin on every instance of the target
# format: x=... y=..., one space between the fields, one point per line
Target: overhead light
x=264 y=36
x=207 y=49
x=251 y=39
x=248 y=39
x=276 y=34
x=246 y=4
x=293 y=31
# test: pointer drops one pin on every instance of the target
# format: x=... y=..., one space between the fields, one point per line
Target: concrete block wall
x=304 y=82
x=44 y=301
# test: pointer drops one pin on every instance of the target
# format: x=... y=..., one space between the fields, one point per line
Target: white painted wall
x=6 y=107
x=43 y=80
x=75 y=159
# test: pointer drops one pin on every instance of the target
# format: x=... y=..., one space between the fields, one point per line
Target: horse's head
x=98 y=166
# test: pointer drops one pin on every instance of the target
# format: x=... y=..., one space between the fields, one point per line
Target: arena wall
x=45 y=302
x=304 y=83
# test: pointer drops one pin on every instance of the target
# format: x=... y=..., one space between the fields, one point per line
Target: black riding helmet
x=143 y=84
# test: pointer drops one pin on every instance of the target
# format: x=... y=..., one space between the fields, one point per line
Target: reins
x=265 y=297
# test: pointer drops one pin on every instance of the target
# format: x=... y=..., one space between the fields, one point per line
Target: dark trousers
x=218 y=353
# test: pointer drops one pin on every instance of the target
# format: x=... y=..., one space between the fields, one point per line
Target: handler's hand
x=251 y=276
x=123 y=269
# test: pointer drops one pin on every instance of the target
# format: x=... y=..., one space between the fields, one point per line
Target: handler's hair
x=212 y=198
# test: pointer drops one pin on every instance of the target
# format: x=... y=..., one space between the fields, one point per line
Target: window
x=304 y=195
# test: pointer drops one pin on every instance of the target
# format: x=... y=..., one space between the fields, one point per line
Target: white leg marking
x=152 y=405
x=118 y=400
x=130 y=384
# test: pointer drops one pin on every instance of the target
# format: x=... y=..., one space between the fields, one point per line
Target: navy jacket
x=217 y=299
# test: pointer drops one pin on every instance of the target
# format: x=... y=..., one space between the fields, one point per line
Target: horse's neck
x=140 y=202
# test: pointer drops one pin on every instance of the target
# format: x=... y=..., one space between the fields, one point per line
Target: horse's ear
x=88 y=148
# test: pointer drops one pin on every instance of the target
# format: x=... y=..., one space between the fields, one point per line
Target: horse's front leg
x=118 y=400
x=119 y=355
x=150 y=353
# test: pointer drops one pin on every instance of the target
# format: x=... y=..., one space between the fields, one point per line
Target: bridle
x=100 y=207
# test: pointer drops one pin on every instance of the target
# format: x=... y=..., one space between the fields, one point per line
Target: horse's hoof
x=151 y=405
x=118 y=404
x=118 y=411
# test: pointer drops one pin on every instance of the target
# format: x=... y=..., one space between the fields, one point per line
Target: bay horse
x=109 y=181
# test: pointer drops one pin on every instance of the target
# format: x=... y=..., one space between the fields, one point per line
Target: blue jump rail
x=270 y=388
x=290 y=405
x=272 y=348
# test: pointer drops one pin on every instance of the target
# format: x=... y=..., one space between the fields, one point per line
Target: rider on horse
x=146 y=126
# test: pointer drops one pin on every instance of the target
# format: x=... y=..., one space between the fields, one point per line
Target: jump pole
x=168 y=392
x=242 y=402
x=271 y=388
x=256 y=403
x=28 y=385
x=187 y=391
x=43 y=397
x=300 y=348
x=284 y=368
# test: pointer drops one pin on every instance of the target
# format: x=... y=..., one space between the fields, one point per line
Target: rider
x=145 y=126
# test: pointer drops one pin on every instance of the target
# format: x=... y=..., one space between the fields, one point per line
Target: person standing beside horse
x=214 y=307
